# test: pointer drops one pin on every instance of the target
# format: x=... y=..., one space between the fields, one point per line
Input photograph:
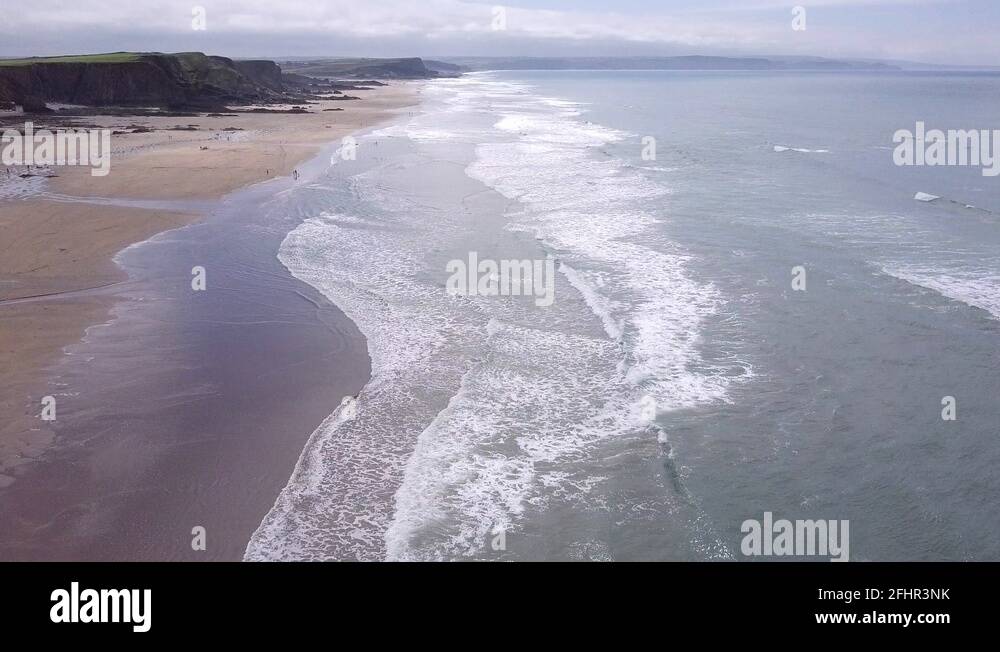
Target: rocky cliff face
x=265 y=73
x=8 y=94
x=187 y=80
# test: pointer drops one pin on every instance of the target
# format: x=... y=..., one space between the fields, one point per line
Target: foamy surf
x=979 y=289
x=482 y=415
x=801 y=150
x=492 y=454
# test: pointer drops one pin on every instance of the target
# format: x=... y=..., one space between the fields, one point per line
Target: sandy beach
x=57 y=279
x=172 y=162
x=53 y=253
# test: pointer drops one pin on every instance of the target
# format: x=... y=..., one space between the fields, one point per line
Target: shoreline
x=149 y=175
x=44 y=315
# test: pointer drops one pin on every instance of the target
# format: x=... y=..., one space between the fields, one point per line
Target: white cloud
x=441 y=27
x=427 y=18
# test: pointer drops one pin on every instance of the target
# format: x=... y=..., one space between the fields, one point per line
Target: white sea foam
x=522 y=430
x=520 y=415
x=801 y=150
x=589 y=284
x=950 y=263
x=979 y=289
x=337 y=505
x=480 y=411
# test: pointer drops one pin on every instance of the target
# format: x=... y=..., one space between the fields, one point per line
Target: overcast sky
x=933 y=31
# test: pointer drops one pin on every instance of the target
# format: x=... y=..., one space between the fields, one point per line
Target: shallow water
x=495 y=428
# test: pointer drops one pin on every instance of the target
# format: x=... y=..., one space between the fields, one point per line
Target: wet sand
x=50 y=256
x=188 y=409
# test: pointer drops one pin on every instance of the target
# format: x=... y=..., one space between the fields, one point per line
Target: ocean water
x=678 y=384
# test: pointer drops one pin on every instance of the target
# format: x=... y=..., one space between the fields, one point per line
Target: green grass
x=113 y=57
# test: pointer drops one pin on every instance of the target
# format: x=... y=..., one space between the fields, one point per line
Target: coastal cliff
x=185 y=80
x=405 y=68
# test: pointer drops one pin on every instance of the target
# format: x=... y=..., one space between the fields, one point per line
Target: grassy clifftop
x=114 y=57
x=405 y=68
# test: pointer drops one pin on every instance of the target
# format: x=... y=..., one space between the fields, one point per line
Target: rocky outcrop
x=13 y=95
x=186 y=80
x=262 y=72
x=8 y=94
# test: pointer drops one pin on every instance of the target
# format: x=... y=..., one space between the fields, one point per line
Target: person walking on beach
x=295 y=174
